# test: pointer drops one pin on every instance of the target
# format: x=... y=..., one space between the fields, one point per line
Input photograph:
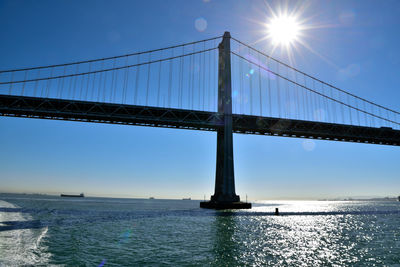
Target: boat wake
x=21 y=245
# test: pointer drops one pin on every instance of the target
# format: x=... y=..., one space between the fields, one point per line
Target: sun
x=283 y=30
x=286 y=28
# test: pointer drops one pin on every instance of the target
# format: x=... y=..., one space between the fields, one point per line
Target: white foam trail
x=21 y=247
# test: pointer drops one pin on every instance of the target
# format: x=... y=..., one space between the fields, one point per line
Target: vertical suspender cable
x=341 y=109
x=198 y=95
x=44 y=89
x=251 y=85
x=189 y=95
x=204 y=72
x=269 y=76
x=123 y=93
x=93 y=87
x=296 y=90
x=297 y=96
x=326 y=107
x=358 y=113
x=302 y=98
x=135 y=96
x=192 y=85
x=62 y=83
x=23 y=85
x=159 y=83
x=320 y=104
x=49 y=83
x=170 y=79
x=306 y=98
x=287 y=103
x=333 y=105
x=278 y=92
x=112 y=81
x=148 y=81
x=75 y=81
x=259 y=83
x=388 y=117
x=318 y=111
x=350 y=110
x=105 y=86
x=36 y=83
x=115 y=89
x=11 y=83
x=241 y=102
x=372 y=117
x=365 y=114
x=57 y=91
x=181 y=70
x=88 y=80
x=69 y=82
x=209 y=81
x=100 y=81
x=313 y=101
x=215 y=84
x=81 y=88
x=126 y=83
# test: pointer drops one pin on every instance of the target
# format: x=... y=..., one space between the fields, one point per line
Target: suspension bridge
x=219 y=84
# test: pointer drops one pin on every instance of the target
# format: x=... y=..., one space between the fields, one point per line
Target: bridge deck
x=73 y=110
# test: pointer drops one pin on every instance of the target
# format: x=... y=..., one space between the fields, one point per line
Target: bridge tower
x=224 y=195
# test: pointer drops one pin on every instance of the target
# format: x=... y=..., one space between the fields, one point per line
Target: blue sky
x=354 y=46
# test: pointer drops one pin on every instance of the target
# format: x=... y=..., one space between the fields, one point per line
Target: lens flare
x=283 y=30
x=200 y=24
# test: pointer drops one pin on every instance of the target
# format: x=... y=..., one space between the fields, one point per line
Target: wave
x=21 y=246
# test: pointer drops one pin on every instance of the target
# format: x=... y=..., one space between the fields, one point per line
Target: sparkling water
x=37 y=230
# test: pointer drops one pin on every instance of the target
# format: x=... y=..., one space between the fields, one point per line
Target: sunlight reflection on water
x=173 y=232
x=318 y=240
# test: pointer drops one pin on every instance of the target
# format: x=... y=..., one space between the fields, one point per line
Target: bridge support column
x=224 y=195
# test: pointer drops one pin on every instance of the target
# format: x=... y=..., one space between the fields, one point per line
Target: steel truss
x=86 y=111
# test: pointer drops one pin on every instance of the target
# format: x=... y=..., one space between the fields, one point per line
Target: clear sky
x=351 y=44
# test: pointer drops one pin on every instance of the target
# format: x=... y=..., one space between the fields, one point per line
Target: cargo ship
x=80 y=195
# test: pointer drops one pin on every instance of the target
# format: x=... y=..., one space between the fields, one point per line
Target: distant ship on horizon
x=66 y=195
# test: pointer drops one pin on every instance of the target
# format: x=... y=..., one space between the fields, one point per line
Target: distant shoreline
x=363 y=199
x=330 y=199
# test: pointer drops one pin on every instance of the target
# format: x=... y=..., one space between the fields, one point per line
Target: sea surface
x=38 y=230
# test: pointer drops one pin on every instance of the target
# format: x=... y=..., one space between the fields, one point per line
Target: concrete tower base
x=224 y=205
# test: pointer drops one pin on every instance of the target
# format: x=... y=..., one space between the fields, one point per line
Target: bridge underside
x=73 y=110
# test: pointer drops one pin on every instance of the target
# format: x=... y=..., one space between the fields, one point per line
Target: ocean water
x=52 y=231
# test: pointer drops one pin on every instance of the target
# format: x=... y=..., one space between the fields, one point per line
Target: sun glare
x=283 y=30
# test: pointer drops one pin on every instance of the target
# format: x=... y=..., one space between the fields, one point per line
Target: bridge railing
x=181 y=76
x=264 y=86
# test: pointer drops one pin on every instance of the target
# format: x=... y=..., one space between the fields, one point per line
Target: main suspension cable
x=114 y=57
x=316 y=79
x=314 y=91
